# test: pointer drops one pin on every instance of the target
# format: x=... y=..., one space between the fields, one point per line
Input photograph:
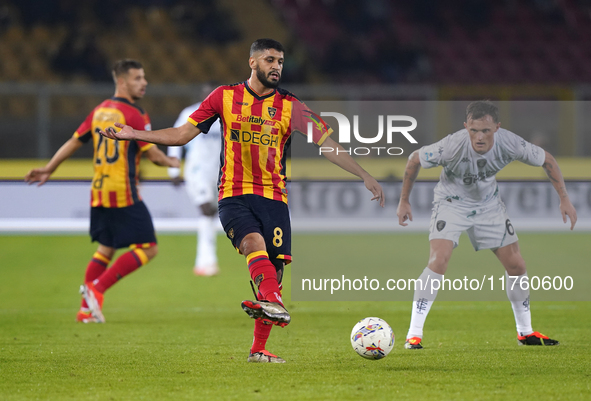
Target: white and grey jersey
x=202 y=150
x=470 y=177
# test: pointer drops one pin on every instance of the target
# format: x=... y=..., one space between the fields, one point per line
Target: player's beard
x=263 y=79
x=137 y=95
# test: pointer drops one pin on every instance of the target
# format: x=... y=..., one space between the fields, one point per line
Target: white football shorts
x=201 y=187
x=488 y=225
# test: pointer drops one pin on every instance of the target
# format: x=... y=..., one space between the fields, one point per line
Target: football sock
x=264 y=275
x=423 y=299
x=261 y=332
x=206 y=241
x=124 y=265
x=520 y=303
x=97 y=266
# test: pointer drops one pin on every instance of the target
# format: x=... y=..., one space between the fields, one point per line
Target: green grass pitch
x=173 y=336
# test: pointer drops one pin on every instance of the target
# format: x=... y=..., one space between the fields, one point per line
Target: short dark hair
x=123 y=66
x=482 y=108
x=264 y=44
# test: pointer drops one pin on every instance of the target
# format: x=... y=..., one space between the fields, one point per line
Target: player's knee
x=151 y=252
x=438 y=266
x=438 y=262
x=106 y=251
x=252 y=242
x=516 y=267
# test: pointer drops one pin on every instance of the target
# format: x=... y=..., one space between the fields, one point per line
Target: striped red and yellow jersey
x=256 y=135
x=116 y=163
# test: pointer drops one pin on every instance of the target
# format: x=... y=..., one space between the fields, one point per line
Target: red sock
x=264 y=275
x=261 y=334
x=124 y=265
x=97 y=266
x=261 y=331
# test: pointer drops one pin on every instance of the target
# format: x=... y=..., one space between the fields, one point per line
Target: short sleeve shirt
x=116 y=163
x=256 y=131
x=470 y=177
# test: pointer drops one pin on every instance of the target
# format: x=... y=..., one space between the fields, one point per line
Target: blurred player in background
x=258 y=119
x=467 y=199
x=202 y=166
x=118 y=217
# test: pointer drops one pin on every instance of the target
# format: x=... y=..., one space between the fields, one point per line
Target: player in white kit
x=467 y=199
x=202 y=166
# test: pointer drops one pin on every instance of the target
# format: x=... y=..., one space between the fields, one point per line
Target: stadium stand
x=461 y=42
x=455 y=50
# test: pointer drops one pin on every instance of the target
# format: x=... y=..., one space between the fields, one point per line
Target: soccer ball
x=372 y=338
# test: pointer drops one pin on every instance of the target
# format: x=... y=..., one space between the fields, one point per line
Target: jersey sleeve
x=209 y=111
x=302 y=117
x=524 y=151
x=84 y=133
x=433 y=155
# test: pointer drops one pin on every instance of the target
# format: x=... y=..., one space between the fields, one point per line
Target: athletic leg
x=424 y=296
x=258 y=352
x=99 y=262
x=518 y=294
x=241 y=218
x=97 y=266
x=125 y=264
x=117 y=228
x=265 y=276
x=260 y=267
x=93 y=292
x=206 y=262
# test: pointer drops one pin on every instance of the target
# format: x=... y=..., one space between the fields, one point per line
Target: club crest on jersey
x=481 y=163
x=272 y=111
x=231 y=233
x=440 y=225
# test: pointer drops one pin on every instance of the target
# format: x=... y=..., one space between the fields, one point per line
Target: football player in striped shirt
x=258 y=119
x=118 y=218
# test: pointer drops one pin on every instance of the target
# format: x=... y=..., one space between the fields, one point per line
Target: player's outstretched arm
x=411 y=171
x=160 y=158
x=553 y=172
x=42 y=174
x=169 y=136
x=347 y=163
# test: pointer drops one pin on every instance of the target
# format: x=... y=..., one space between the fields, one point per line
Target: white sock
x=422 y=301
x=520 y=303
x=206 y=241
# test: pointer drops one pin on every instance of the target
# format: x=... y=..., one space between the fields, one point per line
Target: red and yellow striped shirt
x=116 y=163
x=256 y=134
